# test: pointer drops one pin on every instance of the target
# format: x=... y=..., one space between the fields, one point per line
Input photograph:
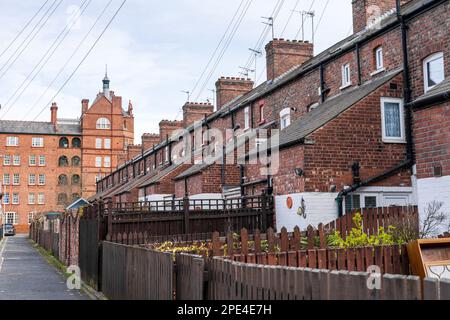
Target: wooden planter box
x=430 y=258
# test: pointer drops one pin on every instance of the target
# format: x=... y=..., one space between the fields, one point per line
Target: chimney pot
x=54 y=113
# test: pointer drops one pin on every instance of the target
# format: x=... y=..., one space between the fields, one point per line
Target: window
x=12 y=218
x=62 y=199
x=75 y=197
x=31 y=198
x=76 y=143
x=6 y=179
x=15 y=198
x=41 y=179
x=379 y=64
x=32 y=179
x=32 y=161
x=41 y=161
x=370 y=202
x=98 y=143
x=107 y=162
x=247 y=118
x=108 y=143
x=62 y=180
x=76 y=179
x=98 y=162
x=285 y=118
x=352 y=202
x=41 y=198
x=261 y=113
x=393 y=124
x=63 y=161
x=76 y=161
x=30 y=217
x=7 y=160
x=16 y=179
x=64 y=143
x=16 y=160
x=6 y=198
x=103 y=124
x=37 y=142
x=346 y=81
x=433 y=70
x=12 y=141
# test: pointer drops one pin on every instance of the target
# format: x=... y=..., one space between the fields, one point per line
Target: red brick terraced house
x=353 y=122
x=45 y=166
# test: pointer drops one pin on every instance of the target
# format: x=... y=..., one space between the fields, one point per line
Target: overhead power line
x=82 y=60
x=23 y=29
x=47 y=56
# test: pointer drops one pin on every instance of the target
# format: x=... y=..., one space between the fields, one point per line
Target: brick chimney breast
x=54 y=113
x=229 y=88
x=149 y=140
x=367 y=11
x=167 y=128
x=282 y=55
x=84 y=105
x=194 y=111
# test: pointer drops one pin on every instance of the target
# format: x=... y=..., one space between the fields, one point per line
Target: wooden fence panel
x=189 y=277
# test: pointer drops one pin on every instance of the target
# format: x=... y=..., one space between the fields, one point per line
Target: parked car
x=10 y=230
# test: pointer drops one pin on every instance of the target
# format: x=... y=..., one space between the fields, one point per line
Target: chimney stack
x=167 y=128
x=194 y=111
x=229 y=88
x=54 y=111
x=149 y=140
x=84 y=105
x=367 y=12
x=282 y=55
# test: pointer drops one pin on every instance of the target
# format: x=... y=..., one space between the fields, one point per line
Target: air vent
x=437 y=171
x=393 y=86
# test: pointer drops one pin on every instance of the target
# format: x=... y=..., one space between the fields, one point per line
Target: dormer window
x=379 y=63
x=346 y=81
x=433 y=70
x=103 y=124
x=285 y=118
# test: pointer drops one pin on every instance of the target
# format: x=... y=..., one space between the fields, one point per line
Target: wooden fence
x=46 y=234
x=131 y=273
x=190 y=277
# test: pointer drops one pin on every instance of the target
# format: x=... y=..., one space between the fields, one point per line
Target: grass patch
x=51 y=259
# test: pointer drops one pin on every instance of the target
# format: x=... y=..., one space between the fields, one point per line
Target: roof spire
x=106 y=83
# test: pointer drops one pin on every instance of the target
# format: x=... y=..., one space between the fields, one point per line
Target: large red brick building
x=362 y=124
x=45 y=166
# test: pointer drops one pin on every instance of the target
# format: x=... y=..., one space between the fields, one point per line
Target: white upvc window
x=433 y=70
x=41 y=198
x=6 y=179
x=7 y=160
x=12 y=141
x=16 y=179
x=41 y=161
x=107 y=143
x=16 y=160
x=32 y=179
x=393 y=120
x=32 y=161
x=12 y=218
x=41 y=180
x=98 y=162
x=346 y=79
x=98 y=143
x=166 y=151
x=103 y=124
x=107 y=162
x=379 y=63
x=15 y=198
x=285 y=118
x=247 y=118
x=31 y=198
x=37 y=142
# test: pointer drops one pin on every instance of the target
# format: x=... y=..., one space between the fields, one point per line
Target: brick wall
x=228 y=88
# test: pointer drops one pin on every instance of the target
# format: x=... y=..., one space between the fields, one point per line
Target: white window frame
x=16 y=160
x=32 y=160
x=426 y=61
x=246 y=118
x=402 y=138
x=31 y=198
x=379 y=59
x=41 y=179
x=346 y=76
x=98 y=162
x=41 y=198
x=103 y=124
x=285 y=114
x=6 y=198
x=107 y=143
x=6 y=179
x=107 y=162
x=15 y=198
x=7 y=160
x=98 y=143
x=31 y=179
x=12 y=217
x=37 y=142
x=12 y=141
x=16 y=179
x=42 y=161
x=30 y=217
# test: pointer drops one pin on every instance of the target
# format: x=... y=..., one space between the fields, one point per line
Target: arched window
x=64 y=143
x=62 y=180
x=63 y=161
x=75 y=197
x=76 y=161
x=76 y=143
x=75 y=179
x=433 y=70
x=103 y=124
x=62 y=199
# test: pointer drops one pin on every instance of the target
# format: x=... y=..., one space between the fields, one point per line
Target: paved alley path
x=26 y=275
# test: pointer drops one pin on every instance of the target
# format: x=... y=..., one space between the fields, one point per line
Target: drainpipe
x=322 y=84
x=358 y=63
x=408 y=120
x=242 y=176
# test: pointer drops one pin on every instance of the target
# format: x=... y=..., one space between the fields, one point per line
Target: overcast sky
x=153 y=49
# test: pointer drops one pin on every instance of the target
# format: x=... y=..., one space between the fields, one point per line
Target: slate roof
x=330 y=109
x=34 y=127
x=154 y=179
x=441 y=89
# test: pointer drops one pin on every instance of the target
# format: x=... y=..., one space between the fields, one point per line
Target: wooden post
x=431 y=289
x=110 y=220
x=264 y=212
